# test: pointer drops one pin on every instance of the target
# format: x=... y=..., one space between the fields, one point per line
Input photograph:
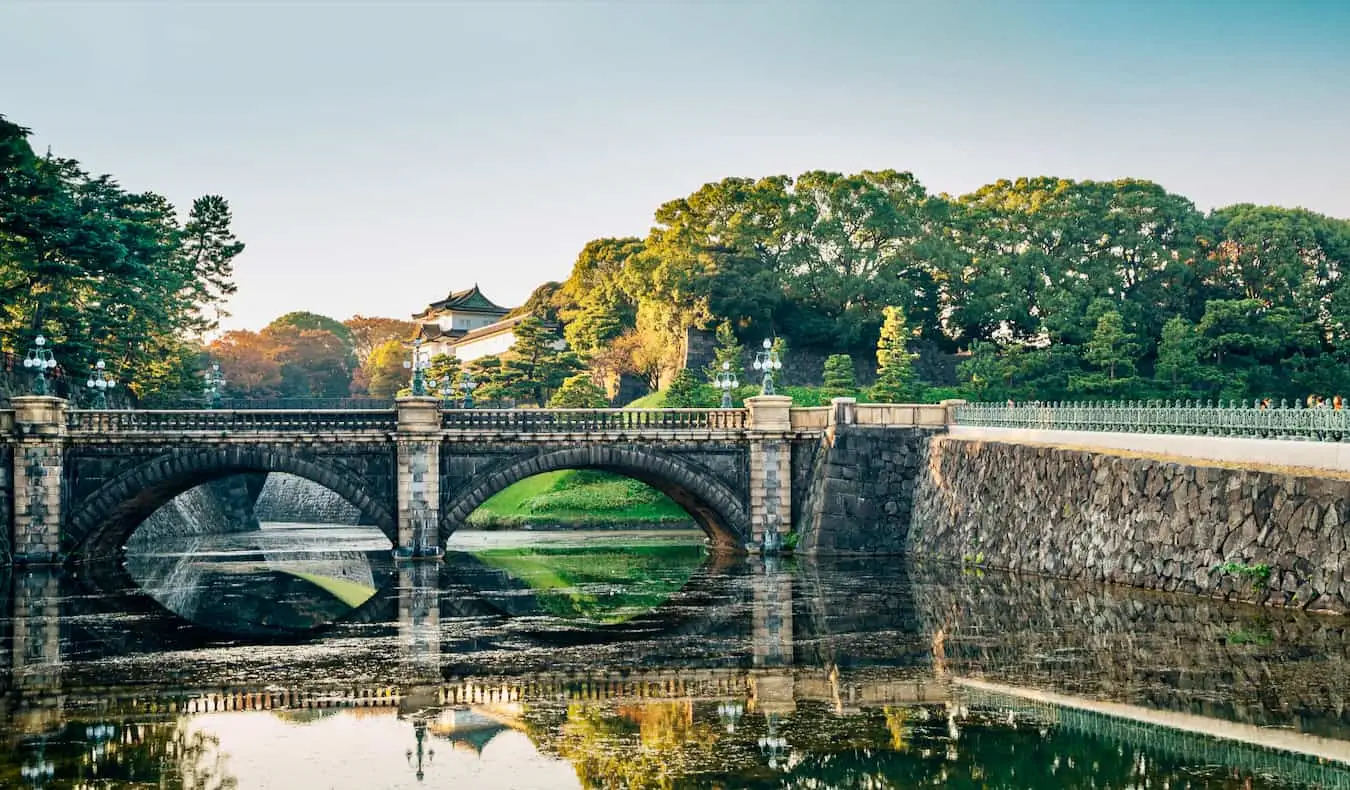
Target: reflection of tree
x=635 y=746
x=168 y=754
x=200 y=763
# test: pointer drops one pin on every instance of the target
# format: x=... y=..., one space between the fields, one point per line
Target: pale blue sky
x=379 y=154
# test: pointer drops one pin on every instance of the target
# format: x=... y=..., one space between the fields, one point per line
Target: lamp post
x=100 y=381
x=418 y=364
x=768 y=361
x=467 y=385
x=726 y=381
x=215 y=385
x=40 y=359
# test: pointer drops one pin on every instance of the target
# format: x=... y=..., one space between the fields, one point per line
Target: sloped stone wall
x=1137 y=521
x=859 y=490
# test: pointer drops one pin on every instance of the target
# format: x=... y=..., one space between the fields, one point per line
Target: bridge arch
x=102 y=523
x=717 y=509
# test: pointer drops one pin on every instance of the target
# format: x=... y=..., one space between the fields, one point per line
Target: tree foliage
x=578 y=392
x=105 y=273
x=896 y=382
x=839 y=380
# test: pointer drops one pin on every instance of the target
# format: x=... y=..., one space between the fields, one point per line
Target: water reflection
x=866 y=673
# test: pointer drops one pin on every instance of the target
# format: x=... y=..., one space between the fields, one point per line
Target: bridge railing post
x=769 y=427
x=418 y=438
x=37 y=477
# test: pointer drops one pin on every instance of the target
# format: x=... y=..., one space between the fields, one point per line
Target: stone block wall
x=6 y=503
x=859 y=492
x=1137 y=521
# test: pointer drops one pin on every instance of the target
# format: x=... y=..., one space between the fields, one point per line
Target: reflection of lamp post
x=99 y=734
x=418 y=364
x=100 y=381
x=420 y=731
x=40 y=359
x=768 y=361
x=37 y=773
x=215 y=385
x=726 y=381
x=773 y=745
x=730 y=713
x=467 y=385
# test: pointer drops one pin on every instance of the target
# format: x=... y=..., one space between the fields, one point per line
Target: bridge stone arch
x=717 y=508
x=101 y=522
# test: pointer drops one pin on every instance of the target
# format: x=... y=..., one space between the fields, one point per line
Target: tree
x=303 y=320
x=687 y=392
x=578 y=392
x=729 y=351
x=839 y=380
x=444 y=369
x=1112 y=348
x=1179 y=367
x=536 y=363
x=315 y=363
x=986 y=373
x=369 y=332
x=896 y=382
x=210 y=247
x=249 y=364
x=383 y=369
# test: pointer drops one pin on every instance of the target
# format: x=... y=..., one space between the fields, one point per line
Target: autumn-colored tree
x=315 y=363
x=368 y=333
x=249 y=363
x=383 y=371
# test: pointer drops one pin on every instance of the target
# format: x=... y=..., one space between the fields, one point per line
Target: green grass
x=606 y=585
x=349 y=592
x=652 y=400
x=578 y=497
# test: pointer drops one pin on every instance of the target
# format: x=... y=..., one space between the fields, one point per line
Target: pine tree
x=730 y=351
x=896 y=382
x=1112 y=348
x=838 y=378
x=578 y=392
x=687 y=392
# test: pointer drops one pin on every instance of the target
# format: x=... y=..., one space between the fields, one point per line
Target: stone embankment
x=1241 y=534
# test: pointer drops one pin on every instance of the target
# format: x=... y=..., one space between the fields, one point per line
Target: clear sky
x=379 y=154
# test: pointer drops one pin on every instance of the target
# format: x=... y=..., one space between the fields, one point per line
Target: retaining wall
x=1137 y=521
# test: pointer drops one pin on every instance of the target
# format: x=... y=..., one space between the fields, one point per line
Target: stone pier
x=419 y=474
x=38 y=471
x=770 y=427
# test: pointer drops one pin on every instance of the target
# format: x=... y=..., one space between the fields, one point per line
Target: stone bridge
x=74 y=484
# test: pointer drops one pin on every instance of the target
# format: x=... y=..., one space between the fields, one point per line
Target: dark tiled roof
x=470 y=300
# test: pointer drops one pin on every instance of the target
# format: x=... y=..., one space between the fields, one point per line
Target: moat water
x=303 y=656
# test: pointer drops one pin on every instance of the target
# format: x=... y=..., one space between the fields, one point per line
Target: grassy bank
x=578 y=497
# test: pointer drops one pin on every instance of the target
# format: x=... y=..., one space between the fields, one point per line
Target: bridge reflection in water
x=750 y=674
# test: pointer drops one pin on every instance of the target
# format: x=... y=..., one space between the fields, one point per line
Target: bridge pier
x=34 y=536
x=770 y=425
x=419 y=475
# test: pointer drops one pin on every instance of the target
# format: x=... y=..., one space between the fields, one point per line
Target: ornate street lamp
x=215 y=385
x=100 y=381
x=467 y=385
x=768 y=361
x=40 y=359
x=418 y=364
x=726 y=381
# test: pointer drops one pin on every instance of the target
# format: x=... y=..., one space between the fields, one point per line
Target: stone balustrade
x=572 y=421
x=105 y=422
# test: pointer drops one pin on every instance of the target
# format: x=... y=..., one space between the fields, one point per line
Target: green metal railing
x=1254 y=419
